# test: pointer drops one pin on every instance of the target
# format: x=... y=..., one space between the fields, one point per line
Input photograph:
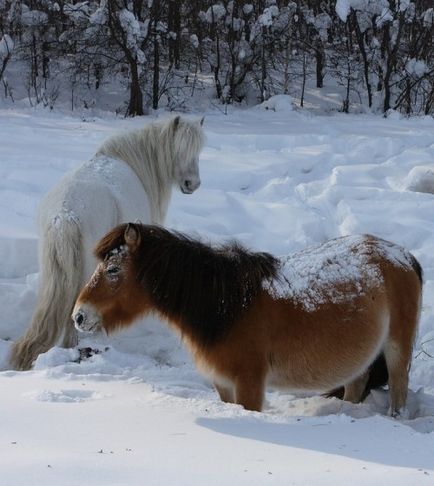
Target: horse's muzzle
x=189 y=186
x=86 y=319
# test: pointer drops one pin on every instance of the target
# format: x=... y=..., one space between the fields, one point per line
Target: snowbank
x=420 y=179
x=277 y=103
x=137 y=410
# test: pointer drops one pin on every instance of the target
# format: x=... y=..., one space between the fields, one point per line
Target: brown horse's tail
x=61 y=266
x=378 y=377
x=417 y=268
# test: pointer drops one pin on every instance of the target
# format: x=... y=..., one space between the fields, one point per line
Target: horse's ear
x=176 y=121
x=132 y=236
x=202 y=120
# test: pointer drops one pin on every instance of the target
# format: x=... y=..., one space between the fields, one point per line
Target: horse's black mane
x=204 y=288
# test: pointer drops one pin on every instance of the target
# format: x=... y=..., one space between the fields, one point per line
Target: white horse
x=129 y=178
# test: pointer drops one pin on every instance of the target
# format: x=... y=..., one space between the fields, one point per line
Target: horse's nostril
x=187 y=184
x=79 y=318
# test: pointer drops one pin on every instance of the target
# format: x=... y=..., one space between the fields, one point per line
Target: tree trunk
x=216 y=68
x=386 y=105
x=346 y=103
x=156 y=77
x=263 y=65
x=430 y=101
x=4 y=64
x=287 y=58
x=45 y=63
x=175 y=27
x=407 y=96
x=303 y=84
x=366 y=64
x=135 y=106
x=391 y=60
x=319 y=54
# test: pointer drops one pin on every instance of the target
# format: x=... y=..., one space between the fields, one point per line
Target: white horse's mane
x=152 y=153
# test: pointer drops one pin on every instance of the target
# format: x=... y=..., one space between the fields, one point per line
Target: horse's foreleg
x=354 y=390
x=226 y=393
x=249 y=392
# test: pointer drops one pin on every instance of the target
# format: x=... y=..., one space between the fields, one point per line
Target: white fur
x=130 y=178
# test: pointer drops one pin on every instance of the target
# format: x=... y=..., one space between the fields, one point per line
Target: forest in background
x=163 y=53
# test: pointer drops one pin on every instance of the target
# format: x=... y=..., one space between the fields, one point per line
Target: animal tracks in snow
x=65 y=396
x=277 y=181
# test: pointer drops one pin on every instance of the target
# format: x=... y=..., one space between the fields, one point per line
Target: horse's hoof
x=88 y=352
x=401 y=414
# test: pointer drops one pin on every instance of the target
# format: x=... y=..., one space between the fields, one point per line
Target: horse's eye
x=112 y=270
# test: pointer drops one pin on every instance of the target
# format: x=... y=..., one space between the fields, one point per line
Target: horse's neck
x=143 y=152
x=152 y=170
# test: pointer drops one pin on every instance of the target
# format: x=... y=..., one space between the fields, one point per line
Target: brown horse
x=313 y=321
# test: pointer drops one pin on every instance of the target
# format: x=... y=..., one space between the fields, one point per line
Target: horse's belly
x=327 y=348
x=322 y=371
x=281 y=380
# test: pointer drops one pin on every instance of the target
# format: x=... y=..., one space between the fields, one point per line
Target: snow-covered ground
x=139 y=413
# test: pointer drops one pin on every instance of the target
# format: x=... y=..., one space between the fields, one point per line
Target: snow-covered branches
x=380 y=51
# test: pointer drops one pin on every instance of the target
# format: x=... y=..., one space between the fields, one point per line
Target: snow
x=266 y=19
x=131 y=27
x=420 y=179
x=277 y=103
x=316 y=275
x=416 y=67
x=6 y=46
x=215 y=13
x=194 y=40
x=404 y=5
x=372 y=7
x=386 y=16
x=343 y=8
x=99 y=17
x=77 y=12
x=322 y=23
x=248 y=9
x=428 y=17
x=137 y=411
x=33 y=17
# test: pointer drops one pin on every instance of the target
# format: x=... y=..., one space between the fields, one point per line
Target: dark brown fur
x=205 y=288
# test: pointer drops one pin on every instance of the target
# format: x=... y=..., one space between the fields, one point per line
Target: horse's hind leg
x=398 y=358
x=354 y=390
x=398 y=350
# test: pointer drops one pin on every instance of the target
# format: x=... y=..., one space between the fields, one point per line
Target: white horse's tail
x=61 y=265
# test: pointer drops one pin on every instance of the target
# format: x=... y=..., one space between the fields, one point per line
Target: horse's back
x=100 y=194
x=339 y=271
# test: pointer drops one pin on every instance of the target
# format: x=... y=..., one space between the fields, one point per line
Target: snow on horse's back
x=130 y=177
